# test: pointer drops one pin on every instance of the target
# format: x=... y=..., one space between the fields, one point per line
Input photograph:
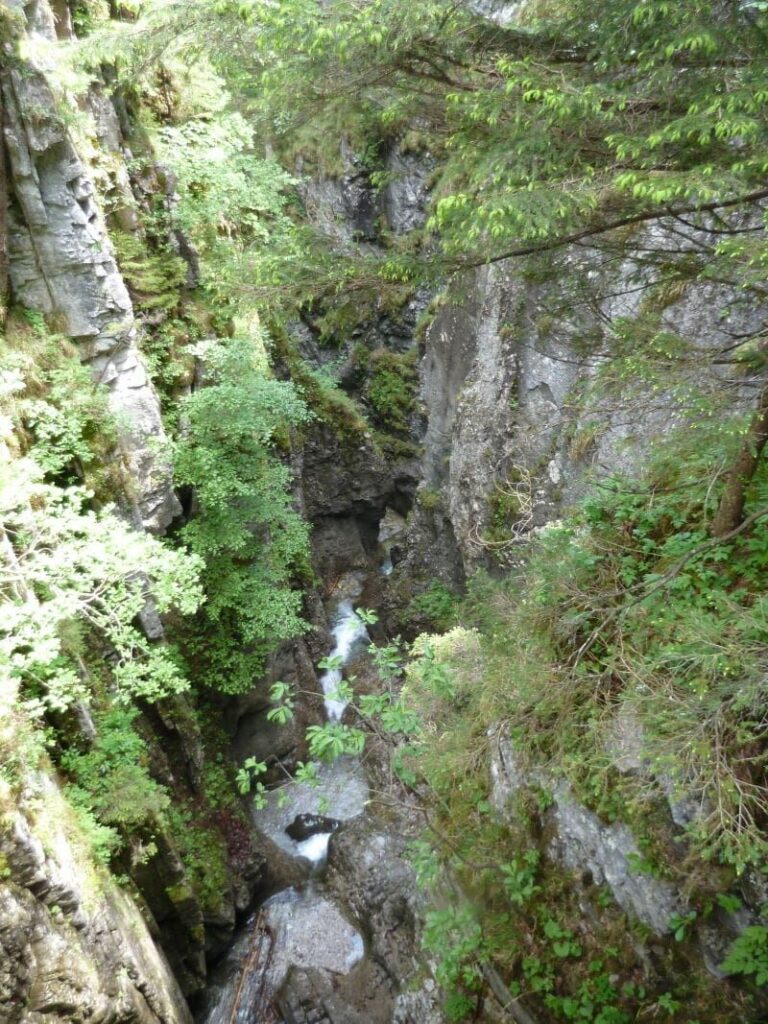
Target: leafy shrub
x=391 y=389
x=111 y=779
x=245 y=529
x=231 y=203
x=71 y=566
x=748 y=954
x=61 y=417
x=454 y=937
x=437 y=605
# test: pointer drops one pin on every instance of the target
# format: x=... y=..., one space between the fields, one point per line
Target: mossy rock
x=154 y=278
x=330 y=404
x=390 y=391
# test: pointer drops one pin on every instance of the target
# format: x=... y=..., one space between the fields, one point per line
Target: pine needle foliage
x=578 y=115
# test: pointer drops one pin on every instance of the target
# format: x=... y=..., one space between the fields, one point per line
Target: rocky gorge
x=448 y=428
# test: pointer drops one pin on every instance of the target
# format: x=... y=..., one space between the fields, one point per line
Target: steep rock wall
x=61 y=263
x=509 y=369
x=73 y=945
x=527 y=406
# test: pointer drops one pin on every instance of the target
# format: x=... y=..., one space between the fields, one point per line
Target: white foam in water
x=342 y=792
x=356 y=951
x=315 y=848
x=387 y=566
x=347 y=631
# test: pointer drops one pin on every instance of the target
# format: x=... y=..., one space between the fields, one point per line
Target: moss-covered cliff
x=125 y=848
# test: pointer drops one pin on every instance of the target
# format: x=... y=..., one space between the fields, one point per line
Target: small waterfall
x=348 y=631
x=315 y=849
x=391 y=529
x=341 y=791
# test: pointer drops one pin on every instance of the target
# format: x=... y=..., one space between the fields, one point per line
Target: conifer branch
x=621 y=222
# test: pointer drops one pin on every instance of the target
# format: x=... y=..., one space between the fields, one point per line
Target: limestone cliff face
x=507 y=375
x=61 y=263
x=73 y=945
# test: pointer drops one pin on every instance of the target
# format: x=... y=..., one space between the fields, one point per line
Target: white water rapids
x=348 y=631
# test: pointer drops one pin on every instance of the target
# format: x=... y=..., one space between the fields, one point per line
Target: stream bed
x=300 y=928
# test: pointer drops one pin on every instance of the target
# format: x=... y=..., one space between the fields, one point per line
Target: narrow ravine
x=302 y=926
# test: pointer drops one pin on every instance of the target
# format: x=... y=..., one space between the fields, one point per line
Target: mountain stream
x=301 y=927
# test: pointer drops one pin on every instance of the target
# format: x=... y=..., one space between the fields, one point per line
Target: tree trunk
x=4 y=199
x=730 y=512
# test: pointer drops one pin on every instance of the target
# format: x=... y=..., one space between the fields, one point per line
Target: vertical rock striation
x=73 y=945
x=61 y=263
x=517 y=394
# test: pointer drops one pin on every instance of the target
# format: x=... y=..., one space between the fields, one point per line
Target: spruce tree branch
x=637 y=218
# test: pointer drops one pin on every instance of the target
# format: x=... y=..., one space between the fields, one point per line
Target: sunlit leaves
x=331 y=740
x=281 y=694
x=231 y=202
x=67 y=565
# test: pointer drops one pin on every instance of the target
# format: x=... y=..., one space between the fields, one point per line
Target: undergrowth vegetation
x=629 y=666
x=391 y=389
x=78 y=666
x=251 y=539
x=644 y=616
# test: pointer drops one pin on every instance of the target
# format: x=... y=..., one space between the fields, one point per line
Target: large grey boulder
x=369 y=870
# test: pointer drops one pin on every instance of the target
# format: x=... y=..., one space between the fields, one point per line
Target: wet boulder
x=304 y=826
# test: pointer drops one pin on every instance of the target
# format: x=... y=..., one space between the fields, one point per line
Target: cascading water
x=348 y=631
x=299 y=928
